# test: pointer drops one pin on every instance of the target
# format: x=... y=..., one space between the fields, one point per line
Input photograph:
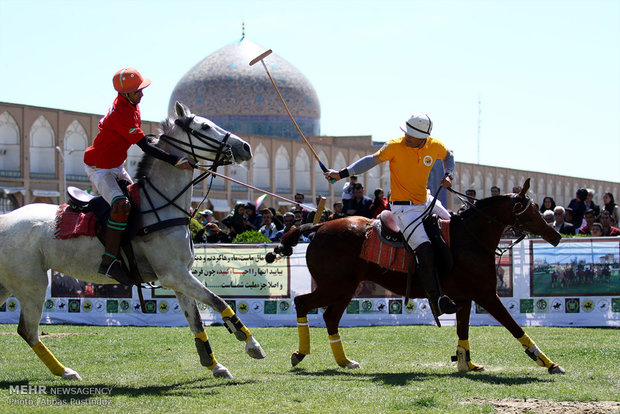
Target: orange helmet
x=129 y=80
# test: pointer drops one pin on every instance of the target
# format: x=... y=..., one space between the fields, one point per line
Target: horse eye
x=205 y=126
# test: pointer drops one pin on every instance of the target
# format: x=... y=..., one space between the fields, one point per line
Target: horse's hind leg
x=332 y=316
x=190 y=310
x=462 y=357
x=304 y=304
x=496 y=308
x=28 y=328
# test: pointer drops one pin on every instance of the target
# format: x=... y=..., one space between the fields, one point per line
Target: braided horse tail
x=290 y=240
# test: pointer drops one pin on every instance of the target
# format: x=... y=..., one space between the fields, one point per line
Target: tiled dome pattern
x=226 y=89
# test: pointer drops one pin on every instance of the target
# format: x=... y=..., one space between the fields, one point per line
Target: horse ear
x=526 y=187
x=182 y=110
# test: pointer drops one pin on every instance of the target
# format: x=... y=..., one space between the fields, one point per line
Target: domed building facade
x=239 y=97
x=41 y=149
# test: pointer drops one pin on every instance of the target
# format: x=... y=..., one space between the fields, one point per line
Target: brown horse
x=333 y=258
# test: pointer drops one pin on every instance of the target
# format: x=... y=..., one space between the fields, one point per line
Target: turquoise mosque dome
x=240 y=98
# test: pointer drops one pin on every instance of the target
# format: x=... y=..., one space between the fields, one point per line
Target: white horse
x=29 y=247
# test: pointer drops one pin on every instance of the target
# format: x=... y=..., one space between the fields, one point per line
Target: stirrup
x=446 y=305
x=115 y=271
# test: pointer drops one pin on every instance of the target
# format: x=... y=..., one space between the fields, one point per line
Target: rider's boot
x=110 y=265
x=425 y=270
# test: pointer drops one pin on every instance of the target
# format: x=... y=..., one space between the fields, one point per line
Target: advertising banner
x=576 y=283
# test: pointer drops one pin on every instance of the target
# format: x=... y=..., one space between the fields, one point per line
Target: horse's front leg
x=462 y=357
x=188 y=285
x=190 y=310
x=496 y=308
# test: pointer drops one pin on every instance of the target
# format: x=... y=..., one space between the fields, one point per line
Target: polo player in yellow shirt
x=411 y=158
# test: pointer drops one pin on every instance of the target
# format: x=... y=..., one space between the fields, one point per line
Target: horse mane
x=484 y=203
x=146 y=162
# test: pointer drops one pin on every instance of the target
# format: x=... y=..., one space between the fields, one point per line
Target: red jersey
x=118 y=130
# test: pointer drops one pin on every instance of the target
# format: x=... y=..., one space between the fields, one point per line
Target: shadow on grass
x=80 y=391
x=404 y=378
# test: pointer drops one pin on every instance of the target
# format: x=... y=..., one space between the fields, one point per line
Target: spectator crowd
x=582 y=216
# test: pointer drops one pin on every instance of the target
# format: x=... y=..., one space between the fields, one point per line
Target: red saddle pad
x=388 y=257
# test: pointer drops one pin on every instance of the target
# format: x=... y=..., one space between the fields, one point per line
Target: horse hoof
x=352 y=365
x=556 y=369
x=70 y=374
x=220 y=371
x=476 y=368
x=296 y=358
x=253 y=348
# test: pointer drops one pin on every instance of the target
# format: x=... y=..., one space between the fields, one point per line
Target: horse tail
x=290 y=240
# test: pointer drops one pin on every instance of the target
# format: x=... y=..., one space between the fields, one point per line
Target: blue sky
x=547 y=73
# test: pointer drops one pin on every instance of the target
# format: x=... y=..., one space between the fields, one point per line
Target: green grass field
x=403 y=369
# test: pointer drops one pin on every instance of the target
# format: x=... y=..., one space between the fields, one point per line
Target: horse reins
x=427 y=211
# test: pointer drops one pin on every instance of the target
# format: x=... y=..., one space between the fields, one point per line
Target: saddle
x=385 y=245
x=87 y=215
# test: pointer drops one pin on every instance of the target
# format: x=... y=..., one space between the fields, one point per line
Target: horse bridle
x=221 y=149
x=223 y=156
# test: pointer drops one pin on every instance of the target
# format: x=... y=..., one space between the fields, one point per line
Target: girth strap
x=160 y=225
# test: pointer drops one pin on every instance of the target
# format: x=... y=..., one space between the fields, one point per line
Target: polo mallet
x=260 y=58
x=203 y=168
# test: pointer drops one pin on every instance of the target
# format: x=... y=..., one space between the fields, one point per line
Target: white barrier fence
x=574 y=284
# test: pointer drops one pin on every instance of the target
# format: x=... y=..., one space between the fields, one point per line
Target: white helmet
x=418 y=125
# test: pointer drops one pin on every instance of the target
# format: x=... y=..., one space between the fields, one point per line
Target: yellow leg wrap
x=303 y=331
x=228 y=312
x=462 y=355
x=48 y=359
x=526 y=341
x=247 y=333
x=336 y=343
x=534 y=352
x=204 y=338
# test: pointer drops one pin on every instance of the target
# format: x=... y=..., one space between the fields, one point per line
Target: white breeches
x=104 y=180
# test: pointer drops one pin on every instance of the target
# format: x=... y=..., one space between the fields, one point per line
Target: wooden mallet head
x=260 y=57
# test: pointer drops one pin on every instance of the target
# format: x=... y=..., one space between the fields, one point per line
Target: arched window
x=283 y=171
x=321 y=185
x=134 y=155
x=262 y=171
x=239 y=172
x=7 y=203
x=42 y=149
x=373 y=181
x=339 y=162
x=10 y=154
x=302 y=172
x=501 y=184
x=75 y=144
x=489 y=181
x=512 y=182
x=385 y=177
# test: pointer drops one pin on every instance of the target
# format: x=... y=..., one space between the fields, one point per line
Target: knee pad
x=120 y=209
